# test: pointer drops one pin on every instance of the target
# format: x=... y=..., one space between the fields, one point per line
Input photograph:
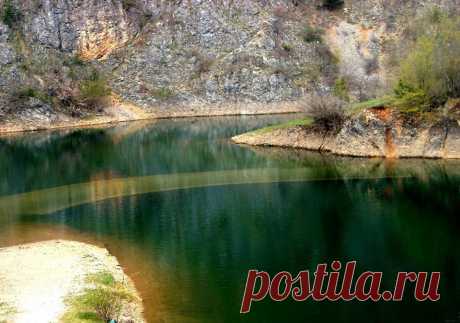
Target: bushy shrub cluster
x=332 y=4
x=340 y=89
x=430 y=74
x=27 y=92
x=94 y=91
x=311 y=34
x=102 y=302
x=10 y=16
x=162 y=93
x=67 y=83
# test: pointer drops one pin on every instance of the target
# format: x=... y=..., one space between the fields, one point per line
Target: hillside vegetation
x=61 y=59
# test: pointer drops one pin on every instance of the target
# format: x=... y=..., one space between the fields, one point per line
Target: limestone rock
x=6 y=52
x=373 y=133
x=90 y=29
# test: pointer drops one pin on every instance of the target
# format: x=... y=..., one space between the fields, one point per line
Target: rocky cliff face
x=90 y=29
x=379 y=132
x=193 y=57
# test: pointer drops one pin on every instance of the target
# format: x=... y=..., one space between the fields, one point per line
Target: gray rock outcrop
x=91 y=29
x=196 y=57
x=372 y=133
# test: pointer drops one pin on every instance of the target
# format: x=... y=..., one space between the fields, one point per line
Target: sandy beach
x=36 y=279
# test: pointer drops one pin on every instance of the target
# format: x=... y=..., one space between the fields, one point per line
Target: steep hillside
x=85 y=61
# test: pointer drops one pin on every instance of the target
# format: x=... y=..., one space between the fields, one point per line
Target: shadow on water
x=187 y=213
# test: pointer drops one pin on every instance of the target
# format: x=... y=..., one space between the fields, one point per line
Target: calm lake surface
x=188 y=213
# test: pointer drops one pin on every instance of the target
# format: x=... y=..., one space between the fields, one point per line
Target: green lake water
x=188 y=213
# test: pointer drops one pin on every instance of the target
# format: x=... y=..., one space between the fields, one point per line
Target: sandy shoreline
x=36 y=279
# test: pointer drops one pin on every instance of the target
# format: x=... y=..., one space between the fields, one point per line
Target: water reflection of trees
x=388 y=215
x=47 y=159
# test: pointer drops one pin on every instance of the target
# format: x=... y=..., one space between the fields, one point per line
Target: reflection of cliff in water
x=423 y=169
x=47 y=159
x=184 y=208
x=315 y=168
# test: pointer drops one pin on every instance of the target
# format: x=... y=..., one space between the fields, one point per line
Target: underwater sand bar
x=50 y=200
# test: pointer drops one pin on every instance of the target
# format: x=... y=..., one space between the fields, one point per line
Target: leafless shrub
x=327 y=111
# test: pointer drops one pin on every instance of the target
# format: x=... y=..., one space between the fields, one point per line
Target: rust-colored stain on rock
x=390 y=148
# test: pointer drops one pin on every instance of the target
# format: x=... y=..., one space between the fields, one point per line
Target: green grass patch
x=374 y=103
x=30 y=92
x=411 y=103
x=100 y=303
x=341 y=89
x=292 y=123
x=104 y=278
